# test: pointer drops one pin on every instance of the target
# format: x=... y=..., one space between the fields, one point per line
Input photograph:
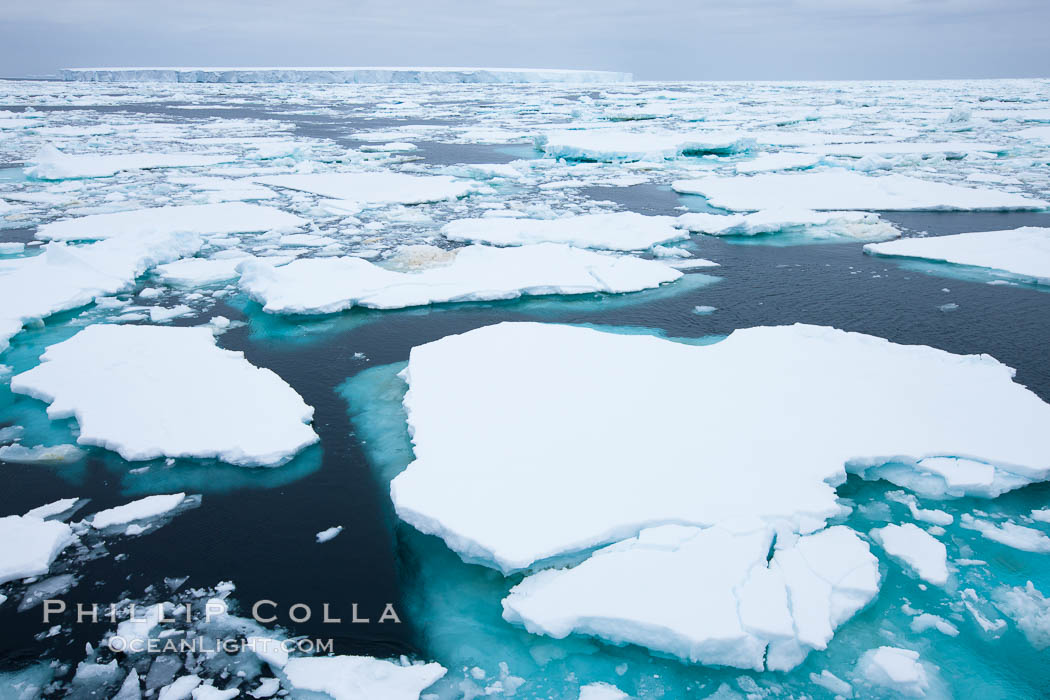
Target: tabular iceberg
x=539 y=411
x=152 y=391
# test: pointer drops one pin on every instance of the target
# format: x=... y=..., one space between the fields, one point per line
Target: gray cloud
x=660 y=39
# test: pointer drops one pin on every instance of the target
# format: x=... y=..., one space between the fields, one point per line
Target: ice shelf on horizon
x=343 y=75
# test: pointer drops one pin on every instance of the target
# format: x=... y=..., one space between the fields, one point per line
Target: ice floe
x=896 y=670
x=621 y=145
x=53 y=164
x=855 y=225
x=220 y=218
x=354 y=677
x=919 y=550
x=149 y=391
x=477 y=273
x=354 y=191
x=709 y=596
x=611 y=231
x=1022 y=253
x=142 y=509
x=841 y=189
x=481 y=410
x=31 y=544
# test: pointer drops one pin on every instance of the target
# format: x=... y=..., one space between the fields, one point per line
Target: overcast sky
x=654 y=39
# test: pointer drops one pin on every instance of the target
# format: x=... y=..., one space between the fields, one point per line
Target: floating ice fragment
x=623 y=145
x=602 y=691
x=362 y=190
x=41 y=454
x=855 y=225
x=30 y=545
x=895 y=669
x=1027 y=607
x=610 y=231
x=51 y=164
x=1010 y=534
x=920 y=551
x=356 y=677
x=142 y=509
x=329 y=534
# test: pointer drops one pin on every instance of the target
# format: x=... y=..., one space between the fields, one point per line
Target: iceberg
x=477 y=273
x=849 y=225
x=516 y=408
x=355 y=191
x=156 y=391
x=30 y=545
x=357 y=677
x=53 y=164
x=709 y=596
x=919 y=550
x=1022 y=253
x=344 y=75
x=620 y=145
x=220 y=218
x=63 y=277
x=841 y=189
x=611 y=231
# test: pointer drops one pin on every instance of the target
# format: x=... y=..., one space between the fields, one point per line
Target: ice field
x=568 y=388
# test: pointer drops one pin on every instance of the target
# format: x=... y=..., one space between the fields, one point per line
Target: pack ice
x=30 y=545
x=153 y=391
x=621 y=145
x=757 y=428
x=1022 y=252
x=52 y=164
x=345 y=75
x=220 y=218
x=609 y=231
x=855 y=225
x=355 y=191
x=64 y=277
x=712 y=596
x=475 y=273
x=843 y=189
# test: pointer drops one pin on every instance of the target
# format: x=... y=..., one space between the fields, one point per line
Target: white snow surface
x=919 y=550
x=477 y=273
x=601 y=691
x=344 y=74
x=707 y=595
x=622 y=145
x=357 y=677
x=153 y=391
x=220 y=218
x=52 y=164
x=517 y=408
x=64 y=276
x=30 y=545
x=895 y=669
x=142 y=509
x=359 y=190
x=1021 y=252
x=856 y=225
x=609 y=231
x=842 y=189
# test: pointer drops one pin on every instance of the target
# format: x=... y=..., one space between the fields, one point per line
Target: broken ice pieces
x=355 y=677
x=610 y=231
x=849 y=225
x=710 y=596
x=475 y=273
x=1022 y=253
x=623 y=145
x=351 y=192
x=151 y=391
x=481 y=410
x=52 y=164
x=30 y=545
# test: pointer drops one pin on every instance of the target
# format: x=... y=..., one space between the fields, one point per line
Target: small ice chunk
x=329 y=534
x=161 y=314
x=30 y=545
x=853 y=225
x=268 y=687
x=1010 y=534
x=925 y=621
x=356 y=677
x=181 y=689
x=148 y=507
x=895 y=669
x=919 y=550
x=41 y=454
x=602 y=691
x=1029 y=609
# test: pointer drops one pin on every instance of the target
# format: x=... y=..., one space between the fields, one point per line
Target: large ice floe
x=475 y=273
x=359 y=677
x=220 y=218
x=1022 y=253
x=30 y=545
x=844 y=225
x=64 y=277
x=622 y=145
x=481 y=412
x=611 y=231
x=364 y=74
x=150 y=391
x=841 y=189
x=354 y=191
x=53 y=164
x=710 y=596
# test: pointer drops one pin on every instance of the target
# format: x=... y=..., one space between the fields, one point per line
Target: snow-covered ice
x=477 y=273
x=151 y=391
x=919 y=550
x=516 y=407
x=612 y=231
x=842 y=189
x=363 y=74
x=622 y=145
x=896 y=670
x=357 y=677
x=353 y=191
x=706 y=595
x=850 y=225
x=30 y=545
x=52 y=164
x=220 y=218
x=142 y=509
x=328 y=534
x=1022 y=252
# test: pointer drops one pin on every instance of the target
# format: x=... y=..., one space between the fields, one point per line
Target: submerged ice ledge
x=344 y=75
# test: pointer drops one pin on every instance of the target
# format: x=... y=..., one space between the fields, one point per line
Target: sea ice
x=518 y=407
x=919 y=550
x=142 y=509
x=356 y=191
x=855 y=225
x=710 y=596
x=610 y=231
x=770 y=162
x=622 y=145
x=478 y=273
x=328 y=534
x=30 y=545
x=53 y=164
x=345 y=75
x=1029 y=609
x=220 y=218
x=153 y=391
x=357 y=677
x=1022 y=252
x=601 y=691
x=1027 y=539
x=894 y=669
x=841 y=189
